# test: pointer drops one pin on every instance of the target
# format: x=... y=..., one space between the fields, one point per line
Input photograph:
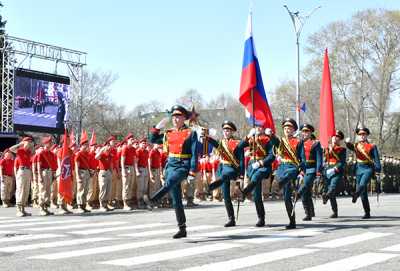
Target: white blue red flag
x=251 y=80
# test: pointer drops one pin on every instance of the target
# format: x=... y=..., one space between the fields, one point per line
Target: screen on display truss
x=40 y=101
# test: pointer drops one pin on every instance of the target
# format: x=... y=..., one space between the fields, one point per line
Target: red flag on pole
x=327 y=115
x=93 y=139
x=72 y=137
x=65 y=186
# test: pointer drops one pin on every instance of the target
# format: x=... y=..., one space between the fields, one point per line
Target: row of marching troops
x=114 y=172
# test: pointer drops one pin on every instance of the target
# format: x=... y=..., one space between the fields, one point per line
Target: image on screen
x=41 y=101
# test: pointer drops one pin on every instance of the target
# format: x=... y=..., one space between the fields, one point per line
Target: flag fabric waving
x=327 y=115
x=65 y=186
x=93 y=139
x=251 y=81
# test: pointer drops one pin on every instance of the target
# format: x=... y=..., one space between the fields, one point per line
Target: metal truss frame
x=13 y=46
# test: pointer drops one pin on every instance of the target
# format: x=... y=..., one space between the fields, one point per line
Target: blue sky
x=161 y=48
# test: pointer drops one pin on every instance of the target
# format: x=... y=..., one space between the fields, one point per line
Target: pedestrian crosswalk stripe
x=26 y=237
x=21 y=220
x=4 y=217
x=253 y=260
x=349 y=240
x=53 y=244
x=395 y=248
x=353 y=263
x=99 y=250
x=6 y=232
x=80 y=225
x=281 y=236
x=159 y=232
x=135 y=227
x=39 y=223
x=169 y=255
x=224 y=233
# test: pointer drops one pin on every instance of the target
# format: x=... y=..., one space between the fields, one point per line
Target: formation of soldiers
x=135 y=173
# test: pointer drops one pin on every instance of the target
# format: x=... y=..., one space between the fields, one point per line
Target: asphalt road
x=141 y=240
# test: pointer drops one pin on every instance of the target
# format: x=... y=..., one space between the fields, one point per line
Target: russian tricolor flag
x=251 y=80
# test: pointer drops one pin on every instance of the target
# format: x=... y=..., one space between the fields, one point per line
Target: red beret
x=27 y=138
x=46 y=140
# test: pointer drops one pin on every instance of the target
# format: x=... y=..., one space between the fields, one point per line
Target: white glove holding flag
x=252 y=132
x=255 y=165
x=347 y=140
x=268 y=131
x=330 y=172
x=191 y=179
x=162 y=123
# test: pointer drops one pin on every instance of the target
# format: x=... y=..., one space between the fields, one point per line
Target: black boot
x=247 y=189
x=312 y=211
x=181 y=233
x=292 y=218
x=231 y=214
x=325 y=198
x=159 y=194
x=260 y=213
x=181 y=219
x=355 y=197
x=306 y=207
x=214 y=185
x=334 y=207
x=367 y=210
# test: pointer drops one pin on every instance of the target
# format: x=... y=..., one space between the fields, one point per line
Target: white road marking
x=79 y=225
x=253 y=260
x=340 y=242
x=169 y=255
x=134 y=227
x=19 y=238
x=99 y=250
x=39 y=223
x=354 y=262
x=159 y=232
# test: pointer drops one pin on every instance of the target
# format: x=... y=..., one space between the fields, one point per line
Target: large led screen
x=40 y=101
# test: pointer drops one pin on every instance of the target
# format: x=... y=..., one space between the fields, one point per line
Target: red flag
x=72 y=137
x=327 y=116
x=93 y=139
x=65 y=186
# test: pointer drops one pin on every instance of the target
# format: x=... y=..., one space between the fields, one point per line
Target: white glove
x=255 y=165
x=162 y=123
x=347 y=140
x=252 y=132
x=300 y=177
x=191 y=179
x=330 y=172
x=268 y=131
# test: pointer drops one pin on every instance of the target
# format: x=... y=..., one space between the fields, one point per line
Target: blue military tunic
x=181 y=146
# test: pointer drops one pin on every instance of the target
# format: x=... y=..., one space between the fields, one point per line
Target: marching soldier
x=181 y=144
x=6 y=177
x=82 y=173
x=259 y=167
x=23 y=176
x=312 y=165
x=335 y=162
x=231 y=166
x=367 y=165
x=289 y=153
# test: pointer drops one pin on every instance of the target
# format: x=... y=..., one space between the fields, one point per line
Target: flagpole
x=254 y=122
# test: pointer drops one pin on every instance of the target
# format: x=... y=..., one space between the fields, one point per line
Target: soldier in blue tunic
x=367 y=165
x=180 y=142
x=230 y=168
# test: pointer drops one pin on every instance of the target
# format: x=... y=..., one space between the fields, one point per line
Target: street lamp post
x=298 y=23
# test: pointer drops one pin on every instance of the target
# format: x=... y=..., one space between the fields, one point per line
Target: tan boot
x=127 y=207
x=64 y=210
x=6 y=204
x=42 y=211
x=19 y=211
